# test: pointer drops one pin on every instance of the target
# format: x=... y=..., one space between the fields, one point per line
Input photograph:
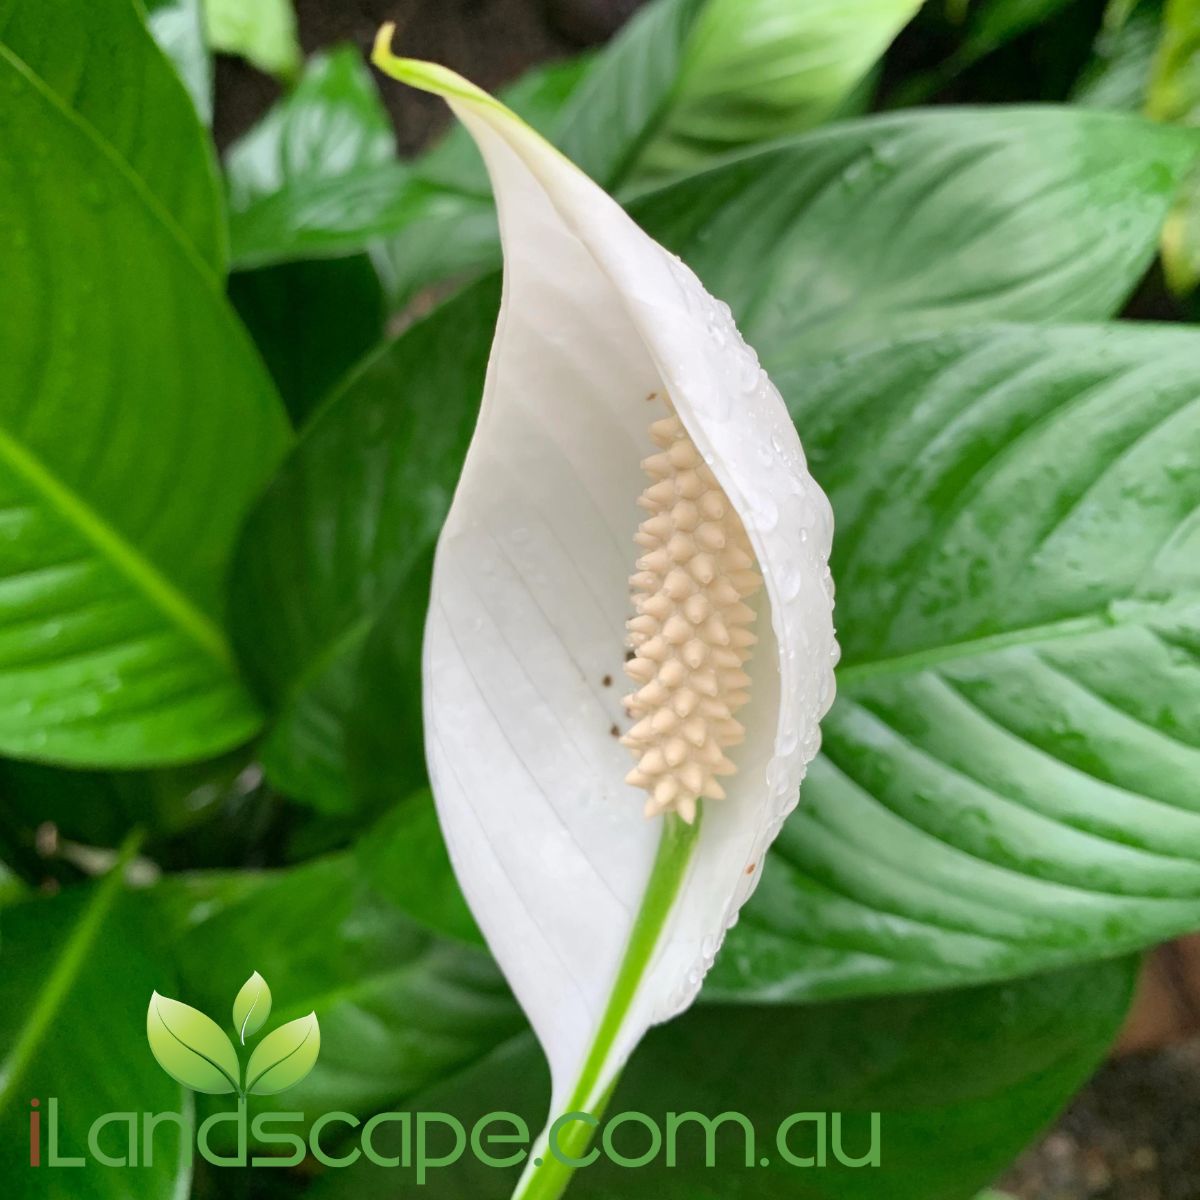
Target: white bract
x=614 y=376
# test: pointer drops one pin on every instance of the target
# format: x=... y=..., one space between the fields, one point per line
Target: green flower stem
x=549 y=1180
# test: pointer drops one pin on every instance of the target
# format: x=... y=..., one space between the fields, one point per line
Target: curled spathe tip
x=425 y=76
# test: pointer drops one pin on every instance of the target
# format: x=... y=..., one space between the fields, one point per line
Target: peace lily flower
x=615 y=381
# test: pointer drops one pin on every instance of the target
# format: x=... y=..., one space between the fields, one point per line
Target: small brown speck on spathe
x=607 y=681
x=615 y=731
x=751 y=868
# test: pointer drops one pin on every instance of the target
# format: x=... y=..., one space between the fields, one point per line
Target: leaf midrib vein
x=172 y=602
x=1028 y=635
x=113 y=547
x=162 y=215
x=66 y=970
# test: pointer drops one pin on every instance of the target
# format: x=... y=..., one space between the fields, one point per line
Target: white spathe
x=525 y=640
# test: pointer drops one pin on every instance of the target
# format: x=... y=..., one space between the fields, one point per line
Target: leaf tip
x=251 y=1006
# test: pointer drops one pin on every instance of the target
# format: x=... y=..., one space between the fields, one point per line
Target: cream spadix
x=608 y=352
x=689 y=634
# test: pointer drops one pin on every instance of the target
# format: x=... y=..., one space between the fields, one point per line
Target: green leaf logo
x=252 y=1007
x=193 y=1049
x=284 y=1057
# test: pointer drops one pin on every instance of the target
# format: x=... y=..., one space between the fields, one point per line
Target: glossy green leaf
x=263 y=32
x=75 y=973
x=399 y=1009
x=929 y=217
x=178 y=27
x=191 y=1047
x=392 y=468
x=135 y=424
x=11 y=886
x=1007 y=778
x=311 y=321
x=925 y=221
x=686 y=82
x=961 y=1080
x=404 y=858
x=385 y=736
x=284 y=1057
x=251 y=1007
x=319 y=177
x=320 y=163
x=97 y=67
x=1119 y=73
x=1039 y=214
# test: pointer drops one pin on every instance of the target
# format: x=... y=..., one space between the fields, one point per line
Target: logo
x=195 y=1051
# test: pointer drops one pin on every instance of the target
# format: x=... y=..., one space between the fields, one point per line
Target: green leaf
x=135 y=424
x=284 y=1057
x=926 y=220
x=75 y=972
x=399 y=1008
x=805 y=242
x=1119 y=72
x=685 y=82
x=404 y=858
x=324 y=153
x=79 y=928
x=251 y=1007
x=312 y=321
x=319 y=176
x=393 y=467
x=263 y=32
x=11 y=886
x=191 y=1047
x=384 y=724
x=945 y=1130
x=96 y=67
x=178 y=27
x=1007 y=779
